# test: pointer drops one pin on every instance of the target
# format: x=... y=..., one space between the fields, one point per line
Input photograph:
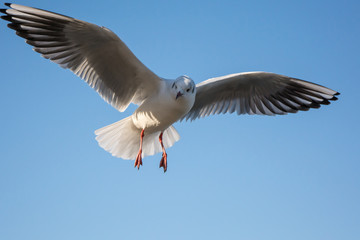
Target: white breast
x=162 y=110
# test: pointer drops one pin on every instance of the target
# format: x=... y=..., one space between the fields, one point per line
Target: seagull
x=105 y=63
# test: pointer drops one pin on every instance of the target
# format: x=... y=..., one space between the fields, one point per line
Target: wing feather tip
x=8 y=4
x=13 y=26
x=6 y=18
x=315 y=105
x=325 y=102
x=23 y=35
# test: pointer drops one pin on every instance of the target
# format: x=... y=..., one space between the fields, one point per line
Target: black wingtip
x=23 y=35
x=334 y=98
x=325 y=102
x=13 y=26
x=7 y=4
x=3 y=10
x=6 y=17
x=337 y=93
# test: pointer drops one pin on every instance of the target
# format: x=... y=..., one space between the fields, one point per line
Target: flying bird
x=98 y=56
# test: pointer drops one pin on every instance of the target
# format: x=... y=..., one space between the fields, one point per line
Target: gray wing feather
x=260 y=93
x=94 y=53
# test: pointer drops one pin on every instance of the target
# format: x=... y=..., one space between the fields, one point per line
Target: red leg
x=163 y=161
x=138 y=160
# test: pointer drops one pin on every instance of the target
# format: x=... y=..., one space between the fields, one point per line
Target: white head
x=183 y=88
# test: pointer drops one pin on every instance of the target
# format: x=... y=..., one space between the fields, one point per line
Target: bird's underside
x=100 y=58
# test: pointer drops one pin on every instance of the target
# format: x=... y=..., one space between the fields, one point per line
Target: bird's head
x=183 y=87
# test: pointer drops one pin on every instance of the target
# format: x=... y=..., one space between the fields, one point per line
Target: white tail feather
x=122 y=139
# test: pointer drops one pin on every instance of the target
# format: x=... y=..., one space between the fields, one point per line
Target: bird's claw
x=163 y=162
x=138 y=160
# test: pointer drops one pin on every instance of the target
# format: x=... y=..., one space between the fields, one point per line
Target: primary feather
x=94 y=53
x=260 y=93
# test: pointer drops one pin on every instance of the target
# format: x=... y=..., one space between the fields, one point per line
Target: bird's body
x=98 y=56
x=169 y=109
x=122 y=139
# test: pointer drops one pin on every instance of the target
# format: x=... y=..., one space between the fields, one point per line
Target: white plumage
x=98 y=56
x=121 y=139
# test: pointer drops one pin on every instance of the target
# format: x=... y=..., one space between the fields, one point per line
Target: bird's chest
x=159 y=113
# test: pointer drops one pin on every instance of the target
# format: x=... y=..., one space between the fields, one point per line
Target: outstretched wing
x=94 y=53
x=257 y=93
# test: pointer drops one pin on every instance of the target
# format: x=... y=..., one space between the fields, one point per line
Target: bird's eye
x=187 y=90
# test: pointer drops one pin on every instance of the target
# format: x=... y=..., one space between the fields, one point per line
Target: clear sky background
x=229 y=177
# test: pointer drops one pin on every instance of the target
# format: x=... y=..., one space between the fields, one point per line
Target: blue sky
x=229 y=177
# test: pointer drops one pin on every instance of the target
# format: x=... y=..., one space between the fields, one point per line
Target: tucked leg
x=138 y=160
x=163 y=161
